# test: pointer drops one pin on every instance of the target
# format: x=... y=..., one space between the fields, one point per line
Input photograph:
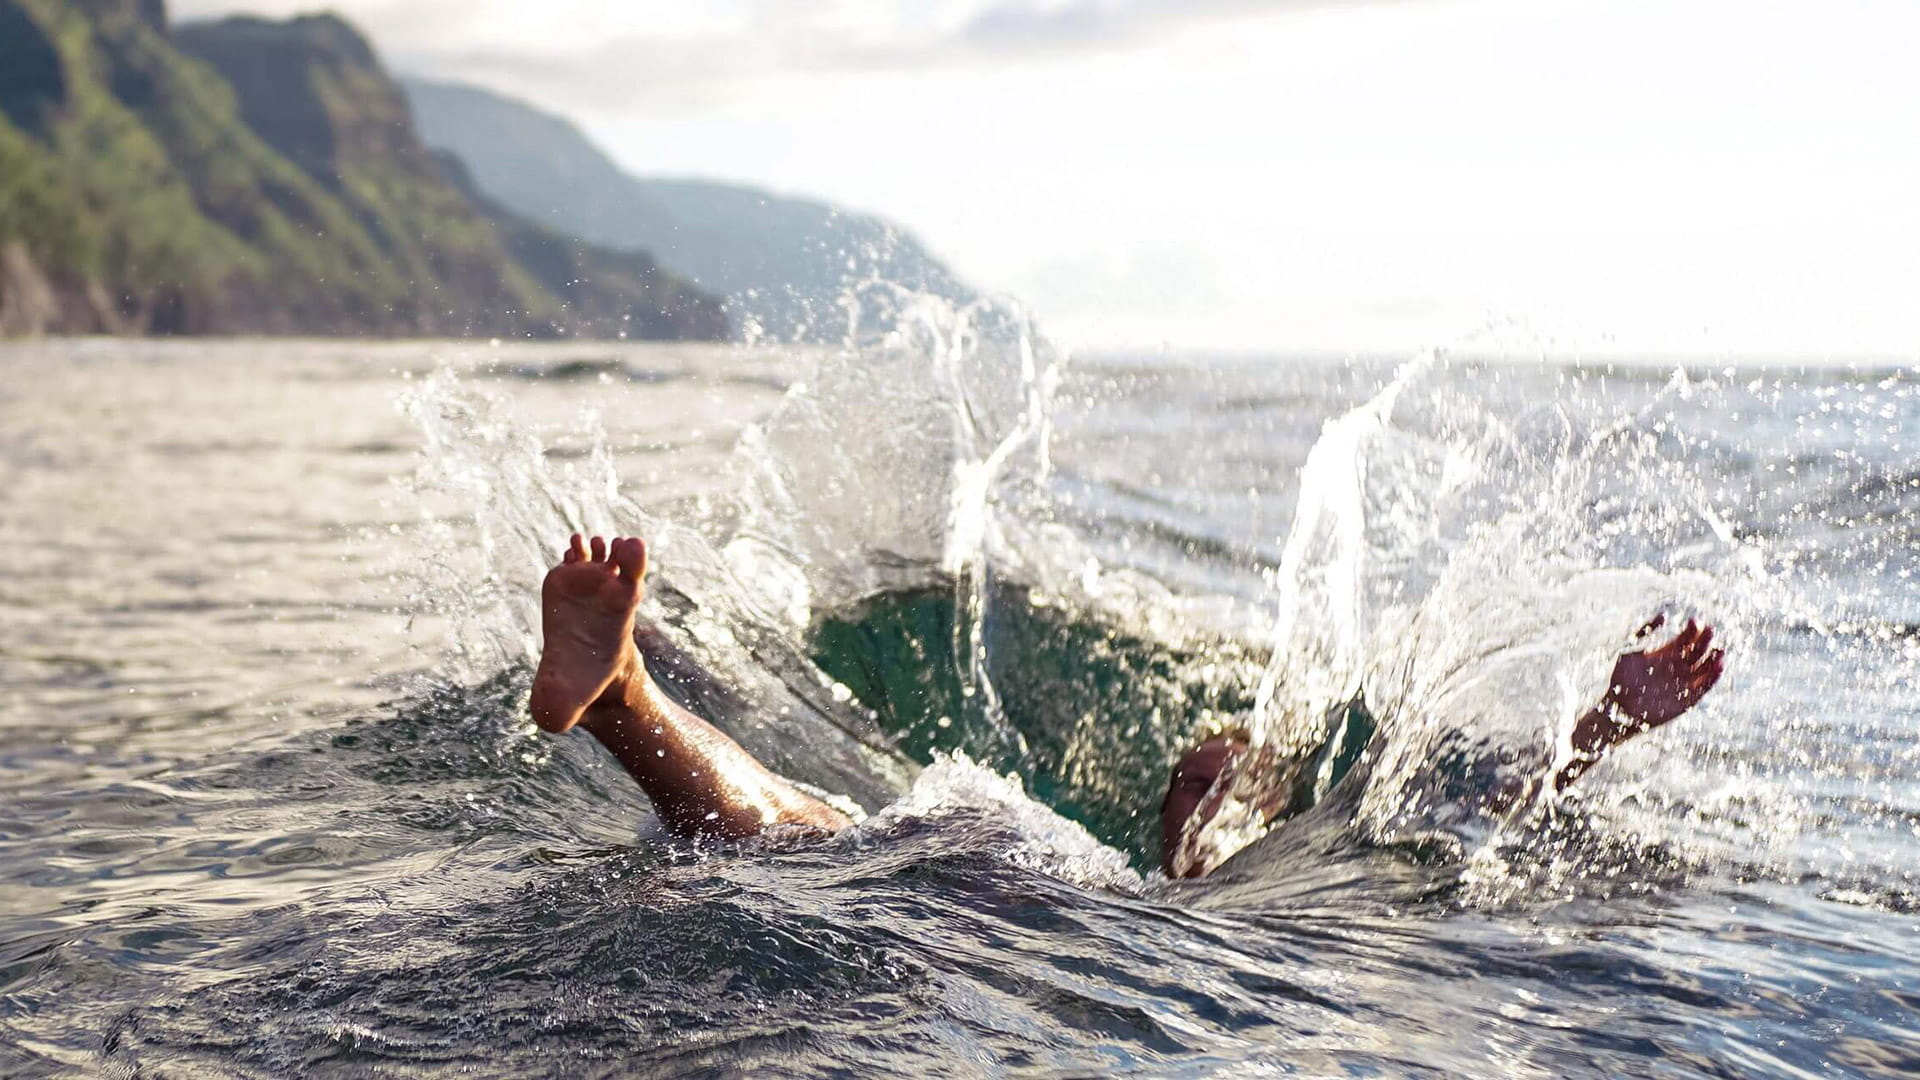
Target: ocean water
x=269 y=805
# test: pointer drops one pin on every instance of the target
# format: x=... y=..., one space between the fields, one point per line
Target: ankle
x=628 y=697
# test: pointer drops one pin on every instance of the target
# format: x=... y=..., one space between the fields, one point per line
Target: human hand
x=1650 y=688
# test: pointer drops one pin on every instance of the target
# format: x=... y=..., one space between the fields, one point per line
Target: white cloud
x=1651 y=173
x=701 y=51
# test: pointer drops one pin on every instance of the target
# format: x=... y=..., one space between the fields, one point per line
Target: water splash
x=955 y=786
x=1469 y=548
x=1321 y=626
x=492 y=505
x=883 y=468
x=886 y=468
x=1469 y=564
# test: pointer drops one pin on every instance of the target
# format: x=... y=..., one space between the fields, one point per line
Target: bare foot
x=586 y=616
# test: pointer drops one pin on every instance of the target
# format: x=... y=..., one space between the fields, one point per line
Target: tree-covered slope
x=146 y=189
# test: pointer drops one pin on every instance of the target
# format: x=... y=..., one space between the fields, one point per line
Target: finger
x=1709 y=670
x=599 y=550
x=576 y=549
x=1702 y=652
x=1699 y=650
x=1682 y=640
x=630 y=555
x=1676 y=646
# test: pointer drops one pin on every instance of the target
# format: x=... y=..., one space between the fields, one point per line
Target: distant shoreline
x=1106 y=357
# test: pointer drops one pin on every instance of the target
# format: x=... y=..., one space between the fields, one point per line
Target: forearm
x=701 y=782
x=1592 y=734
x=1647 y=689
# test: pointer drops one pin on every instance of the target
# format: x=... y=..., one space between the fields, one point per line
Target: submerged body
x=703 y=783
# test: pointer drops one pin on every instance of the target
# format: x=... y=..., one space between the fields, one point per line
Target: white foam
x=1047 y=843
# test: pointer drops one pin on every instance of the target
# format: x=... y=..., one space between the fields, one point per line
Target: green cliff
x=248 y=176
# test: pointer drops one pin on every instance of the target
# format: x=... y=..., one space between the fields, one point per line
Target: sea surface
x=269 y=804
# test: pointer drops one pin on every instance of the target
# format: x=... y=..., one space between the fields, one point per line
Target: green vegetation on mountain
x=783 y=264
x=249 y=176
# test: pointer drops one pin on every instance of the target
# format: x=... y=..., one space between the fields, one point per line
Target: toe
x=576 y=549
x=599 y=550
x=630 y=555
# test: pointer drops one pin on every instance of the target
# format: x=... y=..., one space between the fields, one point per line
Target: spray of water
x=888 y=466
x=1467 y=556
x=492 y=503
x=1469 y=565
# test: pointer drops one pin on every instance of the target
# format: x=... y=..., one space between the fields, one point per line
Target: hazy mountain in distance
x=784 y=263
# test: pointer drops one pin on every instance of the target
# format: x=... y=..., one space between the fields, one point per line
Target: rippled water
x=268 y=805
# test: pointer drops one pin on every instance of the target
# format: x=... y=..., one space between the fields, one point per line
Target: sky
x=1716 y=177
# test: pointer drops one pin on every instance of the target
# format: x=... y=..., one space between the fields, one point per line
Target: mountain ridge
x=248 y=176
x=783 y=264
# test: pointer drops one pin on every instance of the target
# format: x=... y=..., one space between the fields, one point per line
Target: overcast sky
x=1684 y=175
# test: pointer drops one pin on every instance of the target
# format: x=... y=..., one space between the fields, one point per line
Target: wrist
x=1599 y=728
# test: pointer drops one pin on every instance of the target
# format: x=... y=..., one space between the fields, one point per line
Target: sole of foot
x=587 y=605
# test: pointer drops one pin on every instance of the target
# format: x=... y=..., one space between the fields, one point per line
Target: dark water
x=268 y=806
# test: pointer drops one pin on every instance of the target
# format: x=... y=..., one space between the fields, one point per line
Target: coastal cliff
x=249 y=176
